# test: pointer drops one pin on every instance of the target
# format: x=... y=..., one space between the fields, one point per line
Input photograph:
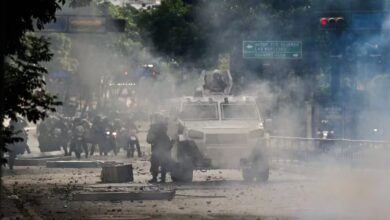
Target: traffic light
x=356 y=21
x=332 y=22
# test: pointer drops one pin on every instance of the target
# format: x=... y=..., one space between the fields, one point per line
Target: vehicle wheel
x=247 y=174
x=182 y=175
x=182 y=172
x=262 y=175
x=258 y=170
x=261 y=169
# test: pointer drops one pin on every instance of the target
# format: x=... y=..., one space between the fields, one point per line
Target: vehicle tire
x=261 y=169
x=262 y=175
x=182 y=174
x=258 y=170
x=182 y=171
x=247 y=174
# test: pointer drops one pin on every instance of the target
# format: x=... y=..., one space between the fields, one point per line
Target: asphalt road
x=213 y=193
x=291 y=193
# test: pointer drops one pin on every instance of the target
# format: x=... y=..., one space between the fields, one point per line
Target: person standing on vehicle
x=160 y=147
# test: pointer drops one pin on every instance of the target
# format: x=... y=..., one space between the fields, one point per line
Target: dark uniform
x=97 y=135
x=161 y=147
x=133 y=141
x=80 y=128
x=18 y=129
x=59 y=134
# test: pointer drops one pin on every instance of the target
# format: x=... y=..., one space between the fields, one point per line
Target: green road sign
x=272 y=49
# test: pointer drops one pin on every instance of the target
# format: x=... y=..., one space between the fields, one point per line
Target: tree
x=126 y=46
x=61 y=47
x=171 y=32
x=21 y=73
x=24 y=77
x=198 y=31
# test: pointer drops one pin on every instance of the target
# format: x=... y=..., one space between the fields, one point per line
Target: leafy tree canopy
x=22 y=85
x=198 y=31
x=61 y=47
x=23 y=16
x=170 y=31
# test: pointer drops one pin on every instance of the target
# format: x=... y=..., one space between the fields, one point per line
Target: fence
x=343 y=151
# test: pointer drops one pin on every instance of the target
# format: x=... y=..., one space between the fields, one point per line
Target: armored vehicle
x=215 y=130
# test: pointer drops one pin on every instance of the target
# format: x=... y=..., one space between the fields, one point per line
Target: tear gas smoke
x=361 y=195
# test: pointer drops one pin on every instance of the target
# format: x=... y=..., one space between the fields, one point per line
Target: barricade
x=354 y=153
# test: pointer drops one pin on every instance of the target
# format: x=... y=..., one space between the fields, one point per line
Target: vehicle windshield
x=239 y=111
x=199 y=111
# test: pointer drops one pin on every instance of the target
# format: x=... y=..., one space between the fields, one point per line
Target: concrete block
x=72 y=164
x=117 y=173
x=124 y=196
x=80 y=164
x=35 y=155
x=39 y=161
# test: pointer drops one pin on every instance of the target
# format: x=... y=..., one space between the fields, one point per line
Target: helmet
x=157 y=118
x=77 y=121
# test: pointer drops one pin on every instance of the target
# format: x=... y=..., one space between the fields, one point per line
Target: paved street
x=293 y=192
x=48 y=191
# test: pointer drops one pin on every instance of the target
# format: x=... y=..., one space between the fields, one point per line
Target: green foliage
x=129 y=14
x=170 y=31
x=79 y=3
x=24 y=81
x=127 y=45
x=196 y=32
x=61 y=47
x=23 y=16
x=22 y=89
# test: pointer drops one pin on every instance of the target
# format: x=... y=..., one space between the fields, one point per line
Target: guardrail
x=350 y=152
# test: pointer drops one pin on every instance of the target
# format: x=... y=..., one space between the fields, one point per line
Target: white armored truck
x=213 y=130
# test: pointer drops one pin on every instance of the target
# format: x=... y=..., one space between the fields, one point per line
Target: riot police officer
x=59 y=133
x=160 y=146
x=78 y=143
x=97 y=135
x=18 y=129
x=133 y=142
